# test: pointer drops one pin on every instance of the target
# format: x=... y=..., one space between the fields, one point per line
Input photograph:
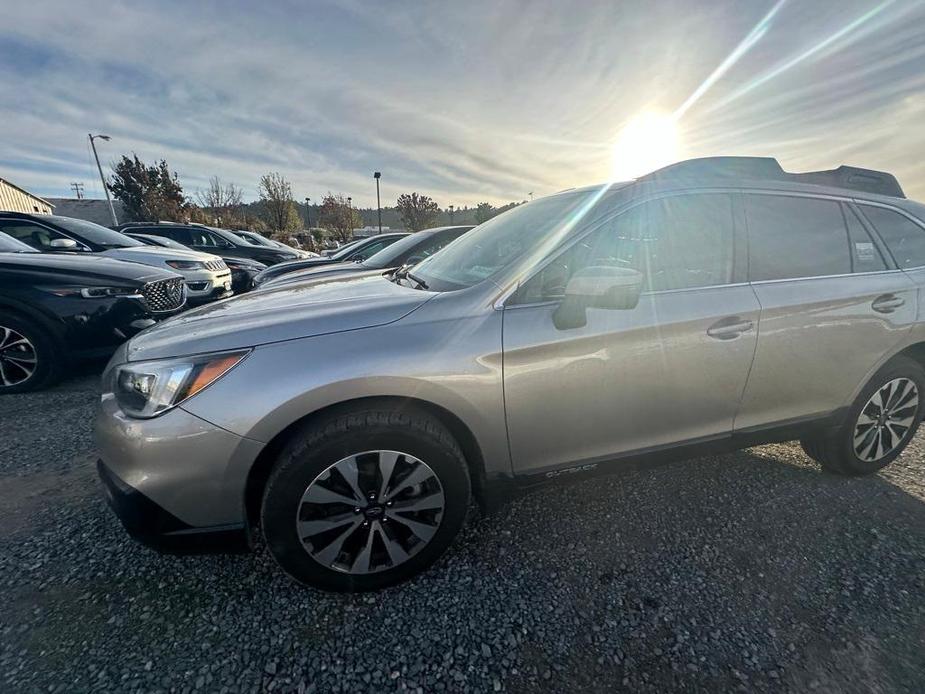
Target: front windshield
x=233 y=237
x=162 y=241
x=388 y=256
x=255 y=239
x=528 y=230
x=344 y=251
x=96 y=234
x=10 y=245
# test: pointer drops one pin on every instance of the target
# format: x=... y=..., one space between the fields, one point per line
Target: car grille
x=216 y=265
x=164 y=295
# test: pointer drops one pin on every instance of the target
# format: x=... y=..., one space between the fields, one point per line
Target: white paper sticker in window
x=864 y=251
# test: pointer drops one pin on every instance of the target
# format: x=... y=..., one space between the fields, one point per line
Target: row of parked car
x=71 y=289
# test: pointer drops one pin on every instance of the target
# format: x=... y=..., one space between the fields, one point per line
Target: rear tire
x=28 y=358
x=366 y=499
x=879 y=425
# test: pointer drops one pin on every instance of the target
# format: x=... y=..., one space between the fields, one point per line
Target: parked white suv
x=206 y=276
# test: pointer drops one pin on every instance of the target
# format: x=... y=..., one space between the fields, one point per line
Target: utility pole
x=308 y=213
x=377 y=175
x=112 y=210
x=451 y=208
x=78 y=189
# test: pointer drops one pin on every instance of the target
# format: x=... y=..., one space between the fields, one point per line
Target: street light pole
x=308 y=212
x=99 y=168
x=377 y=175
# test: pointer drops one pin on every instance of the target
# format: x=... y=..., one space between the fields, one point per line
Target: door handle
x=887 y=303
x=729 y=328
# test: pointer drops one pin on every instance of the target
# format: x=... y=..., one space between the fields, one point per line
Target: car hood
x=155 y=255
x=275 y=315
x=89 y=269
x=323 y=271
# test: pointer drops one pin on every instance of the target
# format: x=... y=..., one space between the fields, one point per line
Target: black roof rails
x=847 y=177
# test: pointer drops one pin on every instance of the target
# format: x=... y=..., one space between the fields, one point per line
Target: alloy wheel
x=370 y=512
x=18 y=359
x=886 y=419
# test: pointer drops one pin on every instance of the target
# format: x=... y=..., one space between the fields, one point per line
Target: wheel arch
x=263 y=465
x=35 y=315
x=914 y=351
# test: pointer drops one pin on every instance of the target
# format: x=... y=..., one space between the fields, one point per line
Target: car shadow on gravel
x=751 y=570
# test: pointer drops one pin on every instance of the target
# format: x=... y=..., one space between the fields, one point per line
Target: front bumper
x=207 y=285
x=156 y=527
x=175 y=481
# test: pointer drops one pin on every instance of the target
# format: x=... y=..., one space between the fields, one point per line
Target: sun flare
x=648 y=141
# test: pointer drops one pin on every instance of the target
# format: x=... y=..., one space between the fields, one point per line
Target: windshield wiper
x=421 y=283
x=404 y=272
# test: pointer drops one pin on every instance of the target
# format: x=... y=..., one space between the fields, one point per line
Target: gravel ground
x=751 y=571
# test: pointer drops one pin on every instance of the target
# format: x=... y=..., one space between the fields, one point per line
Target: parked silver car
x=711 y=305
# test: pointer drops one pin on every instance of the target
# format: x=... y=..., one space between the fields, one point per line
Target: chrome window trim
x=842 y=275
x=657 y=292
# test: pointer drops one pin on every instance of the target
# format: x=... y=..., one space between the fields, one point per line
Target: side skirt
x=788 y=430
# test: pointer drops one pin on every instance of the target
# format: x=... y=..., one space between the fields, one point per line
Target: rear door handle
x=729 y=328
x=887 y=303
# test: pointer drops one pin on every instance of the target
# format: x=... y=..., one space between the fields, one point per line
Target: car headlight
x=186 y=264
x=148 y=389
x=253 y=266
x=101 y=292
x=95 y=292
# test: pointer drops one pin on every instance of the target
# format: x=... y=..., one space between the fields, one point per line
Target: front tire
x=28 y=359
x=879 y=425
x=363 y=500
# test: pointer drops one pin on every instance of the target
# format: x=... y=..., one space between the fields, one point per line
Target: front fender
x=453 y=365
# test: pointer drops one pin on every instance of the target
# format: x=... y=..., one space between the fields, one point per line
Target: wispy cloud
x=485 y=100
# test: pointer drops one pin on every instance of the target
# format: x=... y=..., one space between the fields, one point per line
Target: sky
x=466 y=102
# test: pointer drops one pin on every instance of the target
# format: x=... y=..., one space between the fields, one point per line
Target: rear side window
x=865 y=257
x=790 y=237
x=904 y=238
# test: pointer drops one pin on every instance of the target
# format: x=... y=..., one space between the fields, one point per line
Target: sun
x=648 y=141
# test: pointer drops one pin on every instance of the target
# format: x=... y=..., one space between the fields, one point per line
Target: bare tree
x=417 y=211
x=279 y=210
x=220 y=196
x=222 y=203
x=338 y=216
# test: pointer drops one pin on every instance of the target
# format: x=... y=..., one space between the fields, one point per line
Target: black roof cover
x=768 y=168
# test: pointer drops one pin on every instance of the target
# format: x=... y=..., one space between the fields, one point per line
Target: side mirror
x=63 y=244
x=606 y=287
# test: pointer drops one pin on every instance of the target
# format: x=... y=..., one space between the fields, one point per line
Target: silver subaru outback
x=711 y=305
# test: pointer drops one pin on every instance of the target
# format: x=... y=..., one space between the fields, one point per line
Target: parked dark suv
x=709 y=306
x=210 y=240
x=58 y=308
